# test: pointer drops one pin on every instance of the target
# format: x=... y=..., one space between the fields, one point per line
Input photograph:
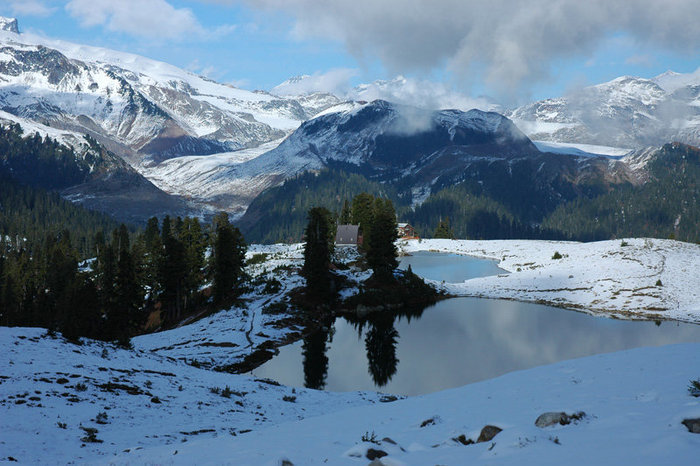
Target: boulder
x=373 y=454
x=693 y=425
x=551 y=418
x=463 y=440
x=487 y=433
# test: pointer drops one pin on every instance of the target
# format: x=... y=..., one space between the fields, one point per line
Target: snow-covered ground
x=634 y=403
x=51 y=391
x=150 y=405
x=229 y=336
x=618 y=278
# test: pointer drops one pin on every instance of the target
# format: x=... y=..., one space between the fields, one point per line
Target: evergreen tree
x=363 y=211
x=317 y=253
x=381 y=250
x=227 y=258
x=195 y=244
x=444 y=230
x=346 y=214
x=173 y=270
x=125 y=315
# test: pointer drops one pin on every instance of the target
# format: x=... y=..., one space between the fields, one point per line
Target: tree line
x=163 y=268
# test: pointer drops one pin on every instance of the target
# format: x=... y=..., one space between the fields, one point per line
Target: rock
x=693 y=425
x=428 y=422
x=487 y=433
x=286 y=463
x=463 y=440
x=551 y=418
x=373 y=454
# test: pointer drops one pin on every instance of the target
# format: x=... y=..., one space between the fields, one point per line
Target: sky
x=512 y=51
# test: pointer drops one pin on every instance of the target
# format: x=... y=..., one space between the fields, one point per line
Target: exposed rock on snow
x=693 y=425
x=552 y=418
x=488 y=433
x=9 y=24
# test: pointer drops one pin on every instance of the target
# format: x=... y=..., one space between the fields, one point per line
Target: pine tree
x=363 y=211
x=152 y=259
x=346 y=214
x=443 y=229
x=173 y=270
x=125 y=316
x=317 y=253
x=195 y=245
x=381 y=250
x=227 y=258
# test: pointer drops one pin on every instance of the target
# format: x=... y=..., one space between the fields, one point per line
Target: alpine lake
x=456 y=341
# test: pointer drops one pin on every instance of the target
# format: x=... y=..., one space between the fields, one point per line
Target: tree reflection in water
x=380 y=343
x=315 y=360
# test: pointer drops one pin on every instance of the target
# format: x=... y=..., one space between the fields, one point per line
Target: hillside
x=665 y=206
x=83 y=172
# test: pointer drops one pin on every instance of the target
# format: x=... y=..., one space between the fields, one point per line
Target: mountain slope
x=142 y=109
x=627 y=112
x=84 y=172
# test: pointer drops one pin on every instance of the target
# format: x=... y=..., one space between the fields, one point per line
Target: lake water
x=457 y=341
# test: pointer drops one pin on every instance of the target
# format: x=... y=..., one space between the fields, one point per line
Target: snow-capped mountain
x=388 y=141
x=627 y=112
x=142 y=109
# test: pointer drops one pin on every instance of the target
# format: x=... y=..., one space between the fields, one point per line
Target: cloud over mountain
x=507 y=42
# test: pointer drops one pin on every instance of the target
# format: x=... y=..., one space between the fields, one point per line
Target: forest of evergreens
x=164 y=268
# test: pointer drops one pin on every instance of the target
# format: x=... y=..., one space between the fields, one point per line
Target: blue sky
x=258 y=44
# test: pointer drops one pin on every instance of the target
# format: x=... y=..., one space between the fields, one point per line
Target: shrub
x=694 y=388
x=658 y=283
x=81 y=387
x=90 y=435
x=371 y=438
x=278 y=307
x=556 y=255
x=272 y=286
x=258 y=258
x=101 y=418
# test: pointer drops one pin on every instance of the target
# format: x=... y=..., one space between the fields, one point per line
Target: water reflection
x=315 y=360
x=380 y=344
x=455 y=342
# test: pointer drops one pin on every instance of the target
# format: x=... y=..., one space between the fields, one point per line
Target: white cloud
x=30 y=8
x=156 y=19
x=408 y=91
x=507 y=43
x=640 y=60
x=335 y=81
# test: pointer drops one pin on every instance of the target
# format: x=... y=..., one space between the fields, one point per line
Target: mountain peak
x=9 y=24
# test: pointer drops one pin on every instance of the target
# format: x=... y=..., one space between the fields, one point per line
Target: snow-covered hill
x=627 y=112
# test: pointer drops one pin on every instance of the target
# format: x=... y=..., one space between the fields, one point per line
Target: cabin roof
x=347 y=234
